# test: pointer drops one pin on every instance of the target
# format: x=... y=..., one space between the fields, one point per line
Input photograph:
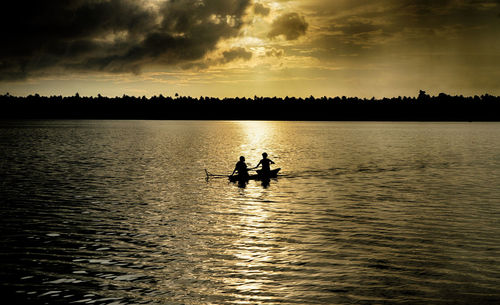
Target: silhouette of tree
x=423 y=96
x=422 y=107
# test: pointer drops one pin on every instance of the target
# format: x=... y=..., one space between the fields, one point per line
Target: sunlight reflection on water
x=119 y=212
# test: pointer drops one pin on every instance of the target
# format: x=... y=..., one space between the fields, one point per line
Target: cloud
x=290 y=25
x=273 y=52
x=236 y=53
x=225 y=57
x=356 y=27
x=260 y=9
x=111 y=35
x=406 y=28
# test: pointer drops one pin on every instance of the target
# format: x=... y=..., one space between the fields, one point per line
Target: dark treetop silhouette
x=422 y=108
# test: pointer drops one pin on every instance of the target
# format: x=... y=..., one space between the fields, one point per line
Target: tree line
x=423 y=107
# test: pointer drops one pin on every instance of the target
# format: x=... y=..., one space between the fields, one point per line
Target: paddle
x=215 y=175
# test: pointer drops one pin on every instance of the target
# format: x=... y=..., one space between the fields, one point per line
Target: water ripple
x=120 y=213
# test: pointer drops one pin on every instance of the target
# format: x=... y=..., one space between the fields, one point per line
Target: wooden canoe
x=259 y=176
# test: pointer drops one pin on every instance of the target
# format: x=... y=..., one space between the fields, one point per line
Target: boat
x=259 y=176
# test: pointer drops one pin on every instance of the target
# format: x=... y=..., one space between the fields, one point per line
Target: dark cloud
x=111 y=35
x=236 y=53
x=261 y=9
x=226 y=57
x=290 y=25
x=404 y=27
x=275 y=53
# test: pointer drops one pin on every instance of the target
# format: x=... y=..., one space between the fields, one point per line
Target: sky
x=229 y=48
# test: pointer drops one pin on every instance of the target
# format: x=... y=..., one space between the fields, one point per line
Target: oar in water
x=215 y=175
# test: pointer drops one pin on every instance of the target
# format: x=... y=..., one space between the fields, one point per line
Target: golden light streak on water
x=259 y=137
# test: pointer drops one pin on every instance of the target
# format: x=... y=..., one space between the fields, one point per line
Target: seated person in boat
x=241 y=168
x=266 y=164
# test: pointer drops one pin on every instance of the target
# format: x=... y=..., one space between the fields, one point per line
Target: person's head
x=264 y=155
x=242 y=158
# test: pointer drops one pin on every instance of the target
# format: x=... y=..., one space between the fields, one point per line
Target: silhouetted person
x=241 y=168
x=266 y=164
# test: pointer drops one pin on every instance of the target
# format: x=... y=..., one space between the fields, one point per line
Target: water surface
x=119 y=212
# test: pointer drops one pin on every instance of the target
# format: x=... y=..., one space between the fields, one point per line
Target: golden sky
x=228 y=48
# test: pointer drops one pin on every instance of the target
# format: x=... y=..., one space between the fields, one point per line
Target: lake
x=121 y=212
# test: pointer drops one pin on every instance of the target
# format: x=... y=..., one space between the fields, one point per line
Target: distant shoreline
x=422 y=108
